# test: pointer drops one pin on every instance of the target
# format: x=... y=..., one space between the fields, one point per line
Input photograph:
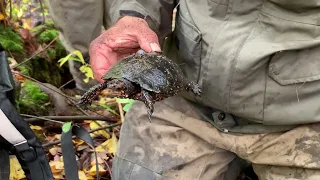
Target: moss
x=51 y=53
x=45 y=71
x=10 y=40
x=25 y=69
x=32 y=99
x=49 y=24
x=48 y=35
x=60 y=50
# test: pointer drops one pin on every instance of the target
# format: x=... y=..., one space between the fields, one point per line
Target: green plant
x=85 y=68
x=126 y=101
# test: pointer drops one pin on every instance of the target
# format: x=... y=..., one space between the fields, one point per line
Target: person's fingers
x=148 y=40
x=126 y=37
x=125 y=42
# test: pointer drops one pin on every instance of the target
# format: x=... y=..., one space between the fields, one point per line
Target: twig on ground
x=43 y=118
x=121 y=111
x=91 y=131
x=73 y=118
x=110 y=171
x=10 y=54
x=36 y=53
x=66 y=83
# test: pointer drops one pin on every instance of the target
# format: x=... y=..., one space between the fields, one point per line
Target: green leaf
x=64 y=60
x=127 y=107
x=66 y=127
x=108 y=108
x=68 y=57
x=78 y=53
x=124 y=101
x=86 y=69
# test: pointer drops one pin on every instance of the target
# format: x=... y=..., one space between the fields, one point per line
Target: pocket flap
x=295 y=66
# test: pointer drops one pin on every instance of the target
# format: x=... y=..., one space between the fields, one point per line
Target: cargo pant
x=180 y=144
x=79 y=22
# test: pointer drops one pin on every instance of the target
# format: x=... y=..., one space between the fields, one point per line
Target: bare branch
x=69 y=118
x=36 y=53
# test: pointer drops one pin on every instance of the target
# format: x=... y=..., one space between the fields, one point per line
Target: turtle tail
x=87 y=97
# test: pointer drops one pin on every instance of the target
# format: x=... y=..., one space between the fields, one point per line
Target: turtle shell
x=153 y=72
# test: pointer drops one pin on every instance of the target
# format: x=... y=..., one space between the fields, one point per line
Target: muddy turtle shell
x=152 y=71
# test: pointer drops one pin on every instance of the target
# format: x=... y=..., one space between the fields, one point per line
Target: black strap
x=68 y=153
x=4 y=164
x=30 y=154
x=29 y=157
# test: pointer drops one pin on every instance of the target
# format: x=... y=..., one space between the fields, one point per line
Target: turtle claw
x=141 y=51
x=195 y=88
x=147 y=99
x=149 y=115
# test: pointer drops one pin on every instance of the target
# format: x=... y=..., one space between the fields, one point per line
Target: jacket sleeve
x=158 y=13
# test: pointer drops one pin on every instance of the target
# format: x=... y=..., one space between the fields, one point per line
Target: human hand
x=124 y=38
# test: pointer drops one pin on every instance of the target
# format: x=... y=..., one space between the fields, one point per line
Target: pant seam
x=131 y=171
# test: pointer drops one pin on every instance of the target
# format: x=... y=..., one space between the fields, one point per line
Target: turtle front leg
x=194 y=87
x=148 y=101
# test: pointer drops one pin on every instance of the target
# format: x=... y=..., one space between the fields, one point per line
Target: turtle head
x=124 y=87
x=116 y=85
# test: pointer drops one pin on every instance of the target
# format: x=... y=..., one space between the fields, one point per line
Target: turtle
x=146 y=77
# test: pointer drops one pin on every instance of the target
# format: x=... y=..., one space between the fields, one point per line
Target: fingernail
x=155 y=47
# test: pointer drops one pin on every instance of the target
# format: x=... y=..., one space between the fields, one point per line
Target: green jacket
x=256 y=59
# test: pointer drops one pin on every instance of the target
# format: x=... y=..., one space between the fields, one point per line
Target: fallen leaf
x=27 y=24
x=82 y=147
x=16 y=171
x=2 y=17
x=94 y=125
x=37 y=128
x=12 y=61
x=58 y=165
x=93 y=170
x=53 y=151
x=82 y=175
x=56 y=158
x=58 y=176
x=109 y=145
